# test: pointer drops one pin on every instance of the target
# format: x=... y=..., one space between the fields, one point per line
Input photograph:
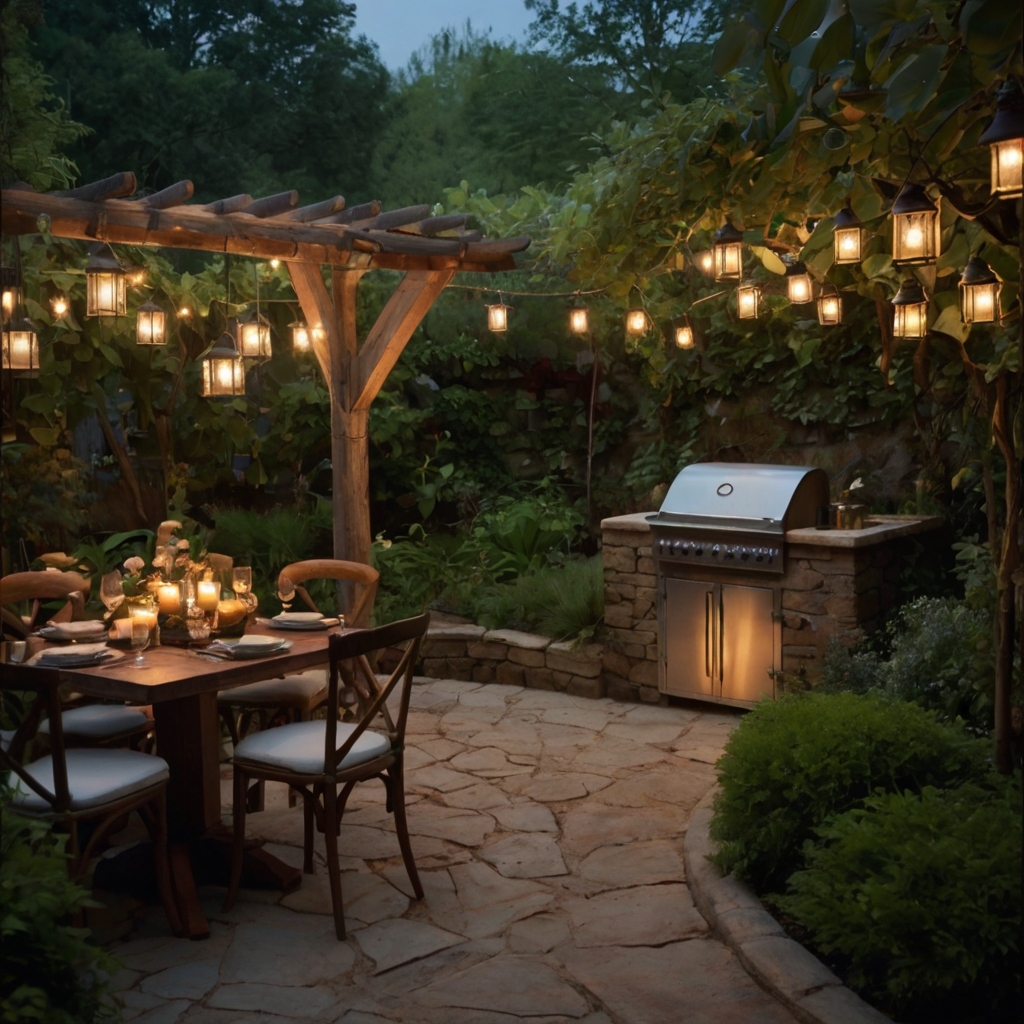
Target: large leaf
x=949 y=322
x=731 y=46
x=46 y=436
x=769 y=259
x=990 y=26
x=914 y=85
x=836 y=44
x=802 y=18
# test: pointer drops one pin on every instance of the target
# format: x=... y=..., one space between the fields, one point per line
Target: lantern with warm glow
x=728 y=253
x=748 y=301
x=684 y=333
x=105 y=283
x=11 y=292
x=1005 y=136
x=798 y=283
x=847 y=236
x=254 y=336
x=830 y=308
x=915 y=227
x=223 y=369
x=705 y=261
x=302 y=340
x=59 y=305
x=579 y=320
x=636 y=322
x=910 y=311
x=20 y=346
x=150 y=325
x=979 y=293
x=497 y=317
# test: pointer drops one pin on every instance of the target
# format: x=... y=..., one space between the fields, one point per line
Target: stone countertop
x=882 y=529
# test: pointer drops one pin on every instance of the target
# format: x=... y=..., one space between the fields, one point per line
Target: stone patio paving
x=548 y=832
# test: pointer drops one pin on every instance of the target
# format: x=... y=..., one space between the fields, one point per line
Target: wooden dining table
x=181 y=684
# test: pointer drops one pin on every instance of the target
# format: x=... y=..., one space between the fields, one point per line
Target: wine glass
x=140 y=639
x=241 y=580
x=112 y=591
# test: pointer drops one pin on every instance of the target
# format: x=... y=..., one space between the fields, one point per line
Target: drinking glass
x=112 y=591
x=241 y=580
x=140 y=639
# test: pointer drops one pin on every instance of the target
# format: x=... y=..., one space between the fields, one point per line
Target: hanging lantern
x=910 y=311
x=497 y=317
x=302 y=340
x=223 y=368
x=105 y=282
x=748 y=301
x=728 y=253
x=915 y=227
x=579 y=320
x=150 y=325
x=636 y=322
x=20 y=346
x=1005 y=136
x=705 y=261
x=684 y=333
x=979 y=293
x=830 y=308
x=11 y=292
x=798 y=283
x=254 y=336
x=847 y=237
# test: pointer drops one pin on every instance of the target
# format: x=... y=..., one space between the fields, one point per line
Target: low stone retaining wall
x=506 y=656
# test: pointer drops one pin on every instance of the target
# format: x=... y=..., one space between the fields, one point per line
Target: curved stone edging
x=780 y=964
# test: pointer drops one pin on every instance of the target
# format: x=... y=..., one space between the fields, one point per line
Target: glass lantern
x=705 y=261
x=1005 y=137
x=847 y=237
x=684 y=334
x=223 y=369
x=579 y=320
x=106 y=284
x=497 y=317
x=636 y=322
x=20 y=346
x=728 y=253
x=798 y=283
x=302 y=339
x=748 y=301
x=910 y=311
x=830 y=308
x=979 y=293
x=150 y=325
x=254 y=336
x=915 y=227
x=11 y=293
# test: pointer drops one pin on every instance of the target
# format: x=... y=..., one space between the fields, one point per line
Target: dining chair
x=294 y=697
x=84 y=724
x=316 y=758
x=68 y=787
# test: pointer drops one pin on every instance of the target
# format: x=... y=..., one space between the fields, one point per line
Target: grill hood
x=744 y=496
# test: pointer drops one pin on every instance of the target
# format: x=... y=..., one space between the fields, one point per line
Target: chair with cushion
x=316 y=758
x=69 y=787
x=90 y=724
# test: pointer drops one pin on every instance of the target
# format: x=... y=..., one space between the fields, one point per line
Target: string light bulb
x=1005 y=137
x=915 y=227
x=705 y=262
x=910 y=311
x=979 y=293
x=579 y=320
x=59 y=305
x=684 y=333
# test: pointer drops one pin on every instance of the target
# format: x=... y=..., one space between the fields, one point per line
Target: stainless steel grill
x=719 y=545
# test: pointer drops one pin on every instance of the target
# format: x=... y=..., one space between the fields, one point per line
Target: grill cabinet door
x=688 y=641
x=746 y=638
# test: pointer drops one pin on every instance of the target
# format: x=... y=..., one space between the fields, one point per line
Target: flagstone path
x=548 y=833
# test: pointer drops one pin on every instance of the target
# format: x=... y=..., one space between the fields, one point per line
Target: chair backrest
x=47 y=699
x=219 y=563
x=42 y=586
x=348 y=654
x=363 y=577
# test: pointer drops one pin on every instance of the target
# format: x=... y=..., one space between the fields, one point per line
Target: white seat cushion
x=299 y=689
x=94 y=777
x=97 y=721
x=299 y=747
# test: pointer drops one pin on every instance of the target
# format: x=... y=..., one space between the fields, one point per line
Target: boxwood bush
x=919 y=896
x=793 y=764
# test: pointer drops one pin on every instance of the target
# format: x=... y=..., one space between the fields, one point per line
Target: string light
x=684 y=333
x=579 y=320
x=497 y=317
x=636 y=322
x=59 y=305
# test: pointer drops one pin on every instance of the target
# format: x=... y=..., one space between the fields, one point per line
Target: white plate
x=72 y=653
x=299 y=627
x=73 y=631
x=295 y=618
x=254 y=641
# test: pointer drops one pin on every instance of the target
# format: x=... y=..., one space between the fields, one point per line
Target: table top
x=169 y=673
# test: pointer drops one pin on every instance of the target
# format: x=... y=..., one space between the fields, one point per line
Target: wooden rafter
x=351 y=240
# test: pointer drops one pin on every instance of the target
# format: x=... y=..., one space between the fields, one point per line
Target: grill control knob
x=744 y=553
x=685 y=550
x=698 y=551
x=714 y=551
x=759 y=554
x=729 y=552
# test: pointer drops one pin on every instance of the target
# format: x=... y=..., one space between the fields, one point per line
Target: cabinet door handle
x=709 y=625
x=721 y=637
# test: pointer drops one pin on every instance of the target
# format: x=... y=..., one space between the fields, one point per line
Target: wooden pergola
x=350 y=240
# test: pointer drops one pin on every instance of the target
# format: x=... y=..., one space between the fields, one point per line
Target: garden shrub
x=919 y=895
x=794 y=763
x=48 y=972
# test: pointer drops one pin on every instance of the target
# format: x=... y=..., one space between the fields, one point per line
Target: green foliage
x=919 y=894
x=48 y=972
x=564 y=602
x=793 y=764
x=42 y=495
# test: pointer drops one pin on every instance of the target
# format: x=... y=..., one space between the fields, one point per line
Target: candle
x=169 y=599
x=144 y=613
x=208 y=595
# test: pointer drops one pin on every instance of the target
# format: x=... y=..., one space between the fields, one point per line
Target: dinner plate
x=89 y=630
x=78 y=656
x=250 y=647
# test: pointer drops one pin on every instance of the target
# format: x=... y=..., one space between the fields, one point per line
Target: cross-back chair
x=70 y=786
x=84 y=724
x=316 y=758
